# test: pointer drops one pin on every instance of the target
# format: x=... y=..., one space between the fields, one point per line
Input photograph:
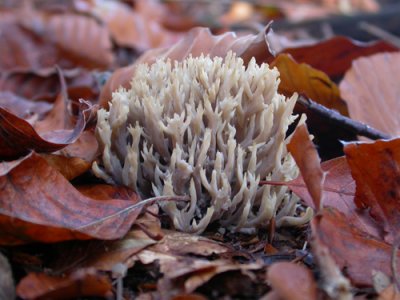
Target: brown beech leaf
x=45 y=84
x=69 y=167
x=130 y=28
x=196 y=42
x=371 y=91
x=376 y=169
x=85 y=147
x=339 y=190
x=22 y=107
x=304 y=79
x=35 y=40
x=81 y=283
x=355 y=252
x=306 y=157
x=38 y=204
x=292 y=281
x=18 y=137
x=334 y=56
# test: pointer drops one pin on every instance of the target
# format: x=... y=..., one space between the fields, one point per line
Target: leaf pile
x=67 y=235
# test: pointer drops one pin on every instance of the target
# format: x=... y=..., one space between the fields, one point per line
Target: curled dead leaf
x=38 y=204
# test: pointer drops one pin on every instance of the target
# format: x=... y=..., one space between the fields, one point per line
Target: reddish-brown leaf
x=334 y=56
x=196 y=42
x=292 y=281
x=357 y=253
x=130 y=28
x=45 y=85
x=35 y=40
x=18 y=137
x=306 y=157
x=376 y=170
x=304 y=79
x=81 y=283
x=38 y=204
x=338 y=192
x=371 y=91
x=69 y=167
x=23 y=108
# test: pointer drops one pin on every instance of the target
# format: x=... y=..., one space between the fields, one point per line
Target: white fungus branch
x=207 y=128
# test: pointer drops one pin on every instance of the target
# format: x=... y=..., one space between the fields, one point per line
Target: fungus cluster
x=209 y=128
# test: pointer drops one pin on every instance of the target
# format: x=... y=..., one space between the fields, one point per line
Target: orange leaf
x=376 y=169
x=371 y=91
x=38 y=204
x=81 y=283
x=304 y=79
x=306 y=157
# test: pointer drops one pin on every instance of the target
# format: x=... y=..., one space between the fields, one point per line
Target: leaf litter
x=72 y=236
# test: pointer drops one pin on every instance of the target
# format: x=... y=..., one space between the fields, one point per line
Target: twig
x=342 y=121
x=380 y=33
x=135 y=206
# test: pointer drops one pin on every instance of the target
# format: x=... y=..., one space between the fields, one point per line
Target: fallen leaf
x=371 y=91
x=35 y=40
x=128 y=27
x=196 y=42
x=38 y=204
x=45 y=84
x=335 y=56
x=376 y=169
x=69 y=167
x=23 y=108
x=304 y=79
x=18 y=137
x=339 y=190
x=292 y=281
x=308 y=161
x=82 y=283
x=357 y=253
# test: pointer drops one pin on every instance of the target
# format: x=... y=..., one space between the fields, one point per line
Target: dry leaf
x=353 y=250
x=371 y=91
x=307 y=159
x=130 y=28
x=38 y=204
x=23 y=108
x=81 y=283
x=18 y=137
x=69 y=167
x=292 y=281
x=338 y=192
x=35 y=40
x=334 y=56
x=304 y=79
x=376 y=169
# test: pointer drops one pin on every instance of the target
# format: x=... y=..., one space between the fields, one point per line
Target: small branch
x=342 y=121
x=380 y=33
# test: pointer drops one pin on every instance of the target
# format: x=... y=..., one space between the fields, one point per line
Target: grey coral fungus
x=209 y=128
